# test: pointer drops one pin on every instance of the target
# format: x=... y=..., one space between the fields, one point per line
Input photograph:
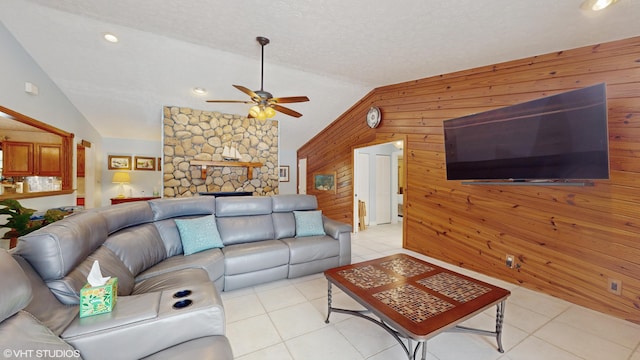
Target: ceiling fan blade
x=247 y=91
x=230 y=101
x=285 y=110
x=289 y=99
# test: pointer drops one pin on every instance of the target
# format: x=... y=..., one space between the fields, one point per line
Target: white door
x=302 y=176
x=383 y=189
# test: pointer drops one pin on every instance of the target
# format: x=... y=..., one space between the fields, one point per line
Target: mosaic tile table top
x=413 y=295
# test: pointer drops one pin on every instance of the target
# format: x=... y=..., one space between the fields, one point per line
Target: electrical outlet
x=510 y=261
x=615 y=286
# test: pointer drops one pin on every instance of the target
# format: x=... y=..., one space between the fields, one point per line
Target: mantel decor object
x=230 y=153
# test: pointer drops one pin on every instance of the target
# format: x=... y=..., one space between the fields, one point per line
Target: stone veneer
x=201 y=135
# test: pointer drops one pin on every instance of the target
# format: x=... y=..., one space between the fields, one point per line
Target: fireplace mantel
x=204 y=163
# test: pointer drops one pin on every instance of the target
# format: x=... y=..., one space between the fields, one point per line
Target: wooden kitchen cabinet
x=29 y=159
x=17 y=159
x=48 y=160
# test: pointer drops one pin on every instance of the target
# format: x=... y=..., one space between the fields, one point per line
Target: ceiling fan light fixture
x=261 y=112
x=265 y=105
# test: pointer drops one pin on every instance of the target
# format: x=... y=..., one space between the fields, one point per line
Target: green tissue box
x=96 y=300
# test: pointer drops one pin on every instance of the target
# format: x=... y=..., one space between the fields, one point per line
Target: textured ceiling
x=332 y=51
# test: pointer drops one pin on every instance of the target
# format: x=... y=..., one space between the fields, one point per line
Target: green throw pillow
x=199 y=234
x=309 y=223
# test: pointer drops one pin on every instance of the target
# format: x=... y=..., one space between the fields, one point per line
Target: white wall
x=143 y=182
x=50 y=106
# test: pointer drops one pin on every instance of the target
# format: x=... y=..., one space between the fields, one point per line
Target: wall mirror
x=36 y=159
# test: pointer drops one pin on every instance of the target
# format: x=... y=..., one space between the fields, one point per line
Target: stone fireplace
x=193 y=161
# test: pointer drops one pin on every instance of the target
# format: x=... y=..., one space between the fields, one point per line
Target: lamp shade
x=121 y=178
x=269 y=112
x=254 y=111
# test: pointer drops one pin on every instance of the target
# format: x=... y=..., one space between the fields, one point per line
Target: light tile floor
x=284 y=320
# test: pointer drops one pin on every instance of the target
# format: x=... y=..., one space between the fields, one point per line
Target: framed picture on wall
x=324 y=182
x=118 y=162
x=145 y=163
x=283 y=172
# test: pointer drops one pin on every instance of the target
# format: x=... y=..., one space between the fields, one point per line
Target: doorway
x=376 y=184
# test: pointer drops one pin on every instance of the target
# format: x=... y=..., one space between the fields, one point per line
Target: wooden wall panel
x=568 y=241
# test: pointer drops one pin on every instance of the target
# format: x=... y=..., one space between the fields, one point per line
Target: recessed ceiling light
x=110 y=37
x=199 y=91
x=597 y=5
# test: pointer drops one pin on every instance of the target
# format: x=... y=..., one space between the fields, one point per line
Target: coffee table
x=416 y=300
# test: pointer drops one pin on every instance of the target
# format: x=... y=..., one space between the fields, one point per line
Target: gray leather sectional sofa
x=139 y=243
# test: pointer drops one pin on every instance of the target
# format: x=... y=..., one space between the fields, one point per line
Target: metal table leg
x=499 y=323
x=497 y=333
x=326 y=321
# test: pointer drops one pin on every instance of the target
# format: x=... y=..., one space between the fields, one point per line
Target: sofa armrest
x=141 y=325
x=334 y=228
x=341 y=232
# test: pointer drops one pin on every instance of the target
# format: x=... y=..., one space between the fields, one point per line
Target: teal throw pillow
x=309 y=223
x=199 y=234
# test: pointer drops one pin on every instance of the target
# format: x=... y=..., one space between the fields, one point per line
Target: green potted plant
x=19 y=219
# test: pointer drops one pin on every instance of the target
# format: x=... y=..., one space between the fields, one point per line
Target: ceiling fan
x=265 y=105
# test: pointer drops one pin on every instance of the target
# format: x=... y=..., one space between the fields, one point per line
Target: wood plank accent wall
x=567 y=241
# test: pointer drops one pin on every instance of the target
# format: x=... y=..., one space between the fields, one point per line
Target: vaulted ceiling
x=334 y=52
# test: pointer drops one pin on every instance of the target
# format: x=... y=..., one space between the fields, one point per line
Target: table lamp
x=121 y=178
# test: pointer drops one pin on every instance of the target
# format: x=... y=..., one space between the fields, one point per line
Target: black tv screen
x=560 y=137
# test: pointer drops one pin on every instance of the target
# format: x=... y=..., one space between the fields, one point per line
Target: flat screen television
x=559 y=137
